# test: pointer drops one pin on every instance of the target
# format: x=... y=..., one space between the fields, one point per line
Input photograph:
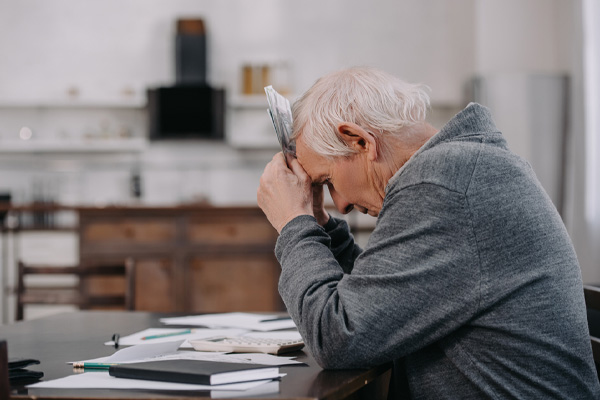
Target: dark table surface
x=81 y=335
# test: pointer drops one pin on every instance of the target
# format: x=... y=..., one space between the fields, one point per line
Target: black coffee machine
x=191 y=108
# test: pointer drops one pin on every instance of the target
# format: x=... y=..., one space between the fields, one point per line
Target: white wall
x=521 y=36
x=424 y=41
x=583 y=226
x=103 y=47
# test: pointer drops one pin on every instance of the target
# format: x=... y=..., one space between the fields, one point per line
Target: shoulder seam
x=470 y=211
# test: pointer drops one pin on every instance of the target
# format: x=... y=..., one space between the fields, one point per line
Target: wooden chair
x=78 y=294
x=4 y=382
x=592 y=303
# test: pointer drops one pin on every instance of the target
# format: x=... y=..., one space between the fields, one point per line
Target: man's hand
x=285 y=193
x=319 y=211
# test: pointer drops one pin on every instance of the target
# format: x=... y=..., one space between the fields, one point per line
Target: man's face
x=348 y=179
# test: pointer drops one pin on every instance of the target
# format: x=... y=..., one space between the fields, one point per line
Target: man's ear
x=358 y=139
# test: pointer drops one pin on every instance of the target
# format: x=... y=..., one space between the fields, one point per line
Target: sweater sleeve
x=343 y=247
x=417 y=281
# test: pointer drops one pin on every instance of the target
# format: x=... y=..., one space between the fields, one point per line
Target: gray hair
x=378 y=102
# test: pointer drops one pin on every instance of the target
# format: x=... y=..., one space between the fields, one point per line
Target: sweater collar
x=474 y=118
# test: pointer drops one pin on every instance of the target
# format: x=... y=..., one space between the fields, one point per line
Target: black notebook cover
x=17 y=363
x=194 y=371
x=17 y=374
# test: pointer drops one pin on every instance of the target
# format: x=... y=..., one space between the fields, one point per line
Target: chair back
x=80 y=293
x=4 y=382
x=592 y=303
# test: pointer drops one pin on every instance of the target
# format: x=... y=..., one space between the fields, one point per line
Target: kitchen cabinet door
x=232 y=283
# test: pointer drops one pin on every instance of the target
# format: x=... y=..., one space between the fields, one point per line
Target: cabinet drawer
x=231 y=284
x=253 y=231
x=124 y=231
x=155 y=286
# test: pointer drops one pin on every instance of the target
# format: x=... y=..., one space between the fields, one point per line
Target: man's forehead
x=315 y=165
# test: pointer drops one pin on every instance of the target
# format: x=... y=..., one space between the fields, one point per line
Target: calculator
x=247 y=345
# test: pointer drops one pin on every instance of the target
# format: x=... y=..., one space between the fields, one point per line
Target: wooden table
x=80 y=335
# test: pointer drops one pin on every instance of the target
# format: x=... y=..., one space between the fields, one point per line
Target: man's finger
x=297 y=168
x=280 y=158
x=318 y=189
x=277 y=163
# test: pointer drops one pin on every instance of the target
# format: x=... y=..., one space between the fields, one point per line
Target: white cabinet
x=248 y=123
x=72 y=126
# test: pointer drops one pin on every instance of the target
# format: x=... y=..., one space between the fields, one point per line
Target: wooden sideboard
x=188 y=259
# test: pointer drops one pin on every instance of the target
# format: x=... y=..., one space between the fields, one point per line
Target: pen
x=168 y=334
x=92 y=365
x=115 y=338
x=275 y=319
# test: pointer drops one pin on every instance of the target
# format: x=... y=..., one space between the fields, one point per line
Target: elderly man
x=469 y=282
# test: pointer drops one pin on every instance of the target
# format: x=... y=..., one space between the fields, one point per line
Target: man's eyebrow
x=319 y=181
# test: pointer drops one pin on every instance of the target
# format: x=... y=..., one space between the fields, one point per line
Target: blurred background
x=154 y=107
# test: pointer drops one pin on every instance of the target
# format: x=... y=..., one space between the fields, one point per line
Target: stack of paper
x=160 y=345
x=102 y=380
x=281 y=116
x=162 y=335
x=168 y=351
x=254 y=322
x=165 y=355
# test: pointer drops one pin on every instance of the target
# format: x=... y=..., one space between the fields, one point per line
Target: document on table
x=199 y=333
x=242 y=358
x=255 y=322
x=262 y=390
x=168 y=351
x=142 y=351
x=283 y=335
x=102 y=380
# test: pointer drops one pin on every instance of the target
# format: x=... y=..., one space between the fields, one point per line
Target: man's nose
x=341 y=204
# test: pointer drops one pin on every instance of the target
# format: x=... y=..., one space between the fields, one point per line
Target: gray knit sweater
x=469 y=282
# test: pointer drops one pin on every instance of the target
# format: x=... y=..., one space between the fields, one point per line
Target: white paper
x=283 y=335
x=242 y=358
x=199 y=333
x=262 y=390
x=139 y=352
x=255 y=322
x=259 y=358
x=102 y=380
x=147 y=350
x=281 y=115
